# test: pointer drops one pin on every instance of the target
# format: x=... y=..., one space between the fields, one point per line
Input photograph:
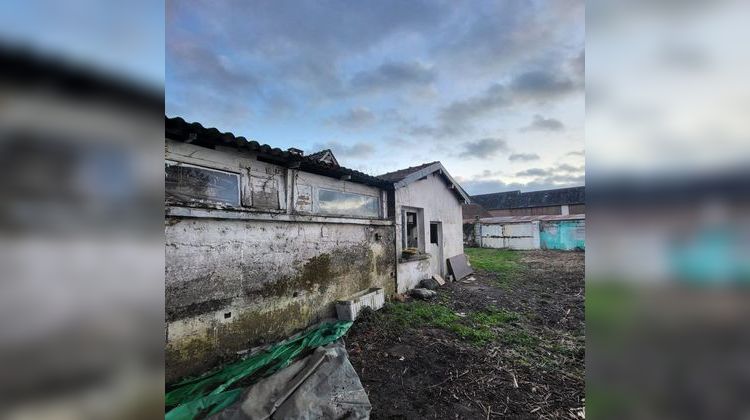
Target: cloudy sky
x=494 y=90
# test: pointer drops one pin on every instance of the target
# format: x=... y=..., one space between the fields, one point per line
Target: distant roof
x=473 y=210
x=517 y=199
x=406 y=176
x=522 y=219
x=179 y=130
x=326 y=156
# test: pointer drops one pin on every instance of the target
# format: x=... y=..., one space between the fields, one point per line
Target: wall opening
x=433 y=233
x=412 y=230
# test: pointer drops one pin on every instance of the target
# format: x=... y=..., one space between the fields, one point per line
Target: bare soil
x=510 y=343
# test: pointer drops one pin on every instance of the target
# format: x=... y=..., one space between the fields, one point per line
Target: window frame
x=419 y=212
x=237 y=175
x=317 y=210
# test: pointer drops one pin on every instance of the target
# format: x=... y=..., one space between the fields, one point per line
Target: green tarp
x=210 y=393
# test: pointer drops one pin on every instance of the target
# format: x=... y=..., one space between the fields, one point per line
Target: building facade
x=560 y=201
x=427 y=209
x=261 y=242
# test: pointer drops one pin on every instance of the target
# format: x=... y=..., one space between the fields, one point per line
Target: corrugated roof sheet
x=471 y=211
x=517 y=199
x=180 y=130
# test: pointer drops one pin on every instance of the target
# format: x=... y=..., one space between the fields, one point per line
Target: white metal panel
x=510 y=235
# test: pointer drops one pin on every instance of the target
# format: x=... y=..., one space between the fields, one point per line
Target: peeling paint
x=274 y=278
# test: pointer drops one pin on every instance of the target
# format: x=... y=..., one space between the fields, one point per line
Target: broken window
x=265 y=194
x=188 y=183
x=412 y=230
x=347 y=204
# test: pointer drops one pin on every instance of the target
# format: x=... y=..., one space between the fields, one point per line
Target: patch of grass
x=493 y=317
x=477 y=327
x=502 y=262
x=519 y=338
x=475 y=334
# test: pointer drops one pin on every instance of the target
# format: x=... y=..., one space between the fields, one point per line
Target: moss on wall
x=281 y=306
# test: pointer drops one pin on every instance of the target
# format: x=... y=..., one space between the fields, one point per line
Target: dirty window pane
x=347 y=204
x=433 y=233
x=190 y=183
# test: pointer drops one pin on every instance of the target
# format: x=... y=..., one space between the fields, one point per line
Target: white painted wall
x=410 y=273
x=510 y=235
x=438 y=203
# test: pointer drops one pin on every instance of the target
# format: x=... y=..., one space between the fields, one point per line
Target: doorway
x=435 y=248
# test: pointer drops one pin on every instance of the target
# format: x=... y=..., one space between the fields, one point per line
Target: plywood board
x=459 y=266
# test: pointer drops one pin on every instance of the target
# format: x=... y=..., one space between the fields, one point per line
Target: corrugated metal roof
x=471 y=211
x=517 y=199
x=522 y=219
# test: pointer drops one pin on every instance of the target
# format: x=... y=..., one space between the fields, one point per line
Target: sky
x=493 y=90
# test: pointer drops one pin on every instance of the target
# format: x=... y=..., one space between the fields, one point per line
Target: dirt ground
x=510 y=343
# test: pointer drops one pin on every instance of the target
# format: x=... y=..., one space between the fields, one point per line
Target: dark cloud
x=523 y=157
x=447 y=68
x=535 y=172
x=486 y=186
x=393 y=75
x=539 y=123
x=560 y=176
x=459 y=112
x=563 y=170
x=541 y=84
x=360 y=149
x=205 y=68
x=484 y=148
x=356 y=117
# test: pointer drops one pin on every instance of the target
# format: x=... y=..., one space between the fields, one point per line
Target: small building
x=558 y=232
x=427 y=208
x=560 y=201
x=261 y=242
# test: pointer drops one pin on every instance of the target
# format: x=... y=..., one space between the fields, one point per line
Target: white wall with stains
x=438 y=204
x=239 y=276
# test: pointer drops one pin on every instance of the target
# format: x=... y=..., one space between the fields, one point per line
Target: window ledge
x=233 y=214
x=417 y=257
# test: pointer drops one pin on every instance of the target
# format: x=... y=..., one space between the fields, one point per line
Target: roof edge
x=435 y=167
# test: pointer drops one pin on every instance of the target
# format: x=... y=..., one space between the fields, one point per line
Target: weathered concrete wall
x=410 y=273
x=564 y=235
x=271 y=278
x=439 y=204
x=510 y=235
x=240 y=277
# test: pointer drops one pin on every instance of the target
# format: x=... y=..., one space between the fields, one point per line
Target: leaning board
x=459 y=266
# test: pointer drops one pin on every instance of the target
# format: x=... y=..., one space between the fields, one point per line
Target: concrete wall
x=564 y=235
x=510 y=235
x=439 y=204
x=410 y=273
x=239 y=277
